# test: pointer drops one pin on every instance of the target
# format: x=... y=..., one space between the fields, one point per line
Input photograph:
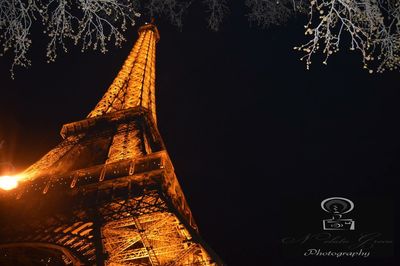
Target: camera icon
x=337 y=207
x=339 y=224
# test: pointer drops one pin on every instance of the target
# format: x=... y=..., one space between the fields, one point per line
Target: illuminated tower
x=107 y=194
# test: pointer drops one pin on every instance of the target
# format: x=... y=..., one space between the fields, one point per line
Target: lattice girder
x=108 y=194
x=163 y=240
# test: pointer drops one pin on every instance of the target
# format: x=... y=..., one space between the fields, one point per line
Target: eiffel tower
x=107 y=194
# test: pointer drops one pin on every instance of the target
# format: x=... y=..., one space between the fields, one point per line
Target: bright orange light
x=8 y=182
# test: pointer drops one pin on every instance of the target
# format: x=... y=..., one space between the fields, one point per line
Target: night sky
x=255 y=138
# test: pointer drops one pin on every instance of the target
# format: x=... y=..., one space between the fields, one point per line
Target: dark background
x=251 y=132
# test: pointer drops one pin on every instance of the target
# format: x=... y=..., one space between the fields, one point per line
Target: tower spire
x=135 y=83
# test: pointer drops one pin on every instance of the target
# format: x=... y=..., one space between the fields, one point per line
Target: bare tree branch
x=216 y=9
x=371 y=27
x=265 y=13
x=92 y=23
x=173 y=10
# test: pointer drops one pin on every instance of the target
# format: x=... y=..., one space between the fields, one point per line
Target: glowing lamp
x=8 y=182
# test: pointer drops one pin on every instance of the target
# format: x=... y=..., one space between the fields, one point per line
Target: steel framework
x=107 y=194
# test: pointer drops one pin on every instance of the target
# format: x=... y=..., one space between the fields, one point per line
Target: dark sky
x=252 y=134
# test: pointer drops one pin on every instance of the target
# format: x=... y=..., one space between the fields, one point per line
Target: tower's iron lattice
x=107 y=194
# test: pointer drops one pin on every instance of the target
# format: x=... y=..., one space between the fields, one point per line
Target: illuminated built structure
x=107 y=194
